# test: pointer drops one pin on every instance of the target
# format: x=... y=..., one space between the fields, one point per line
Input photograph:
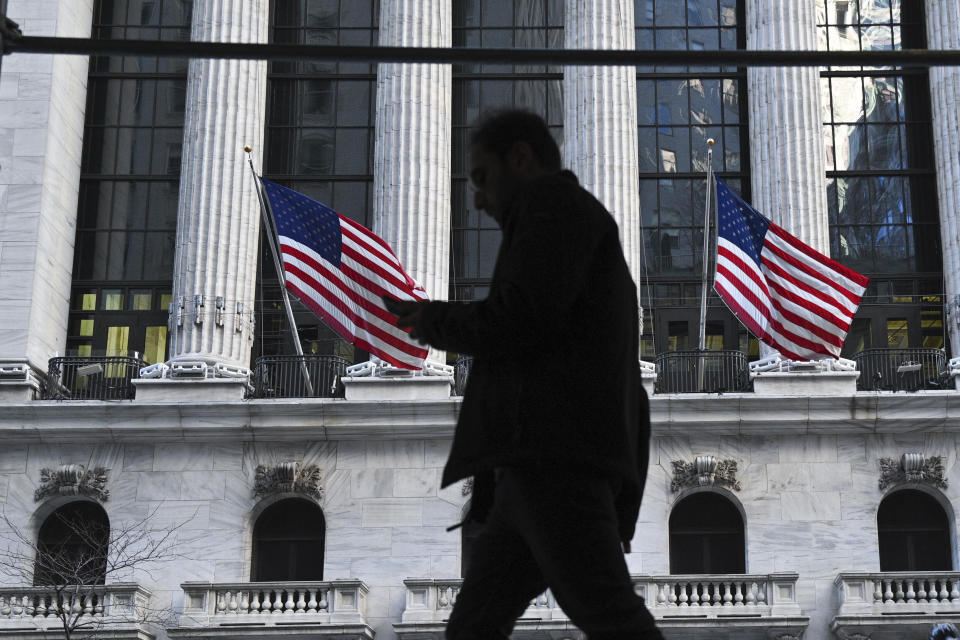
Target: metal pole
x=706 y=250
x=278 y=265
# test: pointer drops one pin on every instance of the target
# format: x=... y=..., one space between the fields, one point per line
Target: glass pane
x=897 y=333
x=117 y=341
x=112 y=300
x=86 y=327
x=141 y=300
x=154 y=349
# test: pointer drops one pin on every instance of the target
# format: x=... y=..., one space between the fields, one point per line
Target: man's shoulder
x=560 y=196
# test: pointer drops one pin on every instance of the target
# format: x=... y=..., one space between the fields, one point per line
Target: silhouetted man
x=554 y=410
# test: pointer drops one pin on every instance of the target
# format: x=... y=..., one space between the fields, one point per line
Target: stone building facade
x=807 y=503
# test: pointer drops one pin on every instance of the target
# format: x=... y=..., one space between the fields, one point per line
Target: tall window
x=319 y=141
x=479 y=88
x=129 y=184
x=678 y=109
x=914 y=533
x=72 y=546
x=881 y=186
x=288 y=542
x=706 y=536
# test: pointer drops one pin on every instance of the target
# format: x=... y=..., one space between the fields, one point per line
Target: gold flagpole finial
x=247 y=148
x=710 y=142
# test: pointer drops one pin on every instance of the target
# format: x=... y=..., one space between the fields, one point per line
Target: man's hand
x=407 y=312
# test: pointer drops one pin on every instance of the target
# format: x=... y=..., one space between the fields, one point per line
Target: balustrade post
x=324 y=604
x=301 y=603
x=244 y=602
x=312 y=602
x=911 y=594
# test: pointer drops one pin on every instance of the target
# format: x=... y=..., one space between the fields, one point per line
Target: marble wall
x=810 y=506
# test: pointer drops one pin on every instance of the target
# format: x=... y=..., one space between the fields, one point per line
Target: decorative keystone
x=704 y=471
x=288 y=477
x=73 y=480
x=912 y=467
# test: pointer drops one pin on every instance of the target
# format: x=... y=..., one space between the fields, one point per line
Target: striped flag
x=792 y=297
x=339 y=269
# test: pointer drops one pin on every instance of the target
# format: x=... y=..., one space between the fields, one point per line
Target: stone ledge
x=375 y=388
x=187 y=391
x=797 y=383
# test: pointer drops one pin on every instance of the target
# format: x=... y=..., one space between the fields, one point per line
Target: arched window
x=72 y=546
x=914 y=533
x=706 y=536
x=288 y=540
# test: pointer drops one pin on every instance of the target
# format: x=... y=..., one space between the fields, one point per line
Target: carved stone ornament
x=288 y=477
x=73 y=480
x=912 y=467
x=705 y=471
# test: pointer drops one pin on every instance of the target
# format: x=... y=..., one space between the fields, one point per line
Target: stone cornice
x=336 y=419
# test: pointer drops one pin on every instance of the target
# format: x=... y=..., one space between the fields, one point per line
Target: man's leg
x=569 y=523
x=500 y=583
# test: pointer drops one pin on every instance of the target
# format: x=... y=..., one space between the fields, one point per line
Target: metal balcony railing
x=902 y=370
x=702 y=372
x=461 y=371
x=308 y=376
x=91 y=378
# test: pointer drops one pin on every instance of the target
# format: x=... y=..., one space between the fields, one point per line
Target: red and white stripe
x=348 y=297
x=799 y=301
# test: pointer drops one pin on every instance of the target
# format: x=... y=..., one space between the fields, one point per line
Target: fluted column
x=600 y=116
x=411 y=173
x=411 y=170
x=943 y=32
x=219 y=218
x=786 y=139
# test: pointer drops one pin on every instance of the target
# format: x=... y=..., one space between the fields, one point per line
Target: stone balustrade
x=692 y=606
x=250 y=609
x=100 y=601
x=895 y=604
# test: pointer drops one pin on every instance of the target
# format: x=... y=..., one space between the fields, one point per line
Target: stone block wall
x=810 y=505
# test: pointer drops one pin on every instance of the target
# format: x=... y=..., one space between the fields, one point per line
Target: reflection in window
x=678 y=109
x=881 y=188
x=914 y=533
x=319 y=141
x=480 y=88
x=130 y=174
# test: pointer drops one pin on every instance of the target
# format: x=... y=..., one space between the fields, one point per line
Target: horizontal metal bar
x=447 y=55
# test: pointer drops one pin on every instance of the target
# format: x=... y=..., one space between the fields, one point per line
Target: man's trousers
x=554 y=529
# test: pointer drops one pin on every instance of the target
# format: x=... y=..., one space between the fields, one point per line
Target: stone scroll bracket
x=912 y=467
x=288 y=477
x=704 y=471
x=73 y=480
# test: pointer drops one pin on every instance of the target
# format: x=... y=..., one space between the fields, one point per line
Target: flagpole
x=701 y=344
x=278 y=265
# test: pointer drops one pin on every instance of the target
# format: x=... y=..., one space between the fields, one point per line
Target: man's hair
x=944 y=632
x=498 y=132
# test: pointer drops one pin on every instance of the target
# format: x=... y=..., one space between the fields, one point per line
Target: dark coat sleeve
x=629 y=497
x=541 y=270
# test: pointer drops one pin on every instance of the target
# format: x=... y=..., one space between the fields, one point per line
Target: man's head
x=944 y=631
x=508 y=150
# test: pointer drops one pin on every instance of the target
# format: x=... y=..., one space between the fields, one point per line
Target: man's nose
x=479 y=201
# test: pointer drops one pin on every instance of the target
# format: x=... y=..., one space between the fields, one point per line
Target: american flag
x=339 y=269
x=792 y=297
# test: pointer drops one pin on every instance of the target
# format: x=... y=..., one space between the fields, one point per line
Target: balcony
x=702 y=372
x=308 y=376
x=116 y=611
x=260 y=610
x=902 y=370
x=895 y=605
x=747 y=607
x=91 y=378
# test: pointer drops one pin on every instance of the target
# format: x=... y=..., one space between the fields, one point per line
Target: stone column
x=600 y=116
x=788 y=176
x=411 y=173
x=943 y=32
x=42 y=105
x=219 y=217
